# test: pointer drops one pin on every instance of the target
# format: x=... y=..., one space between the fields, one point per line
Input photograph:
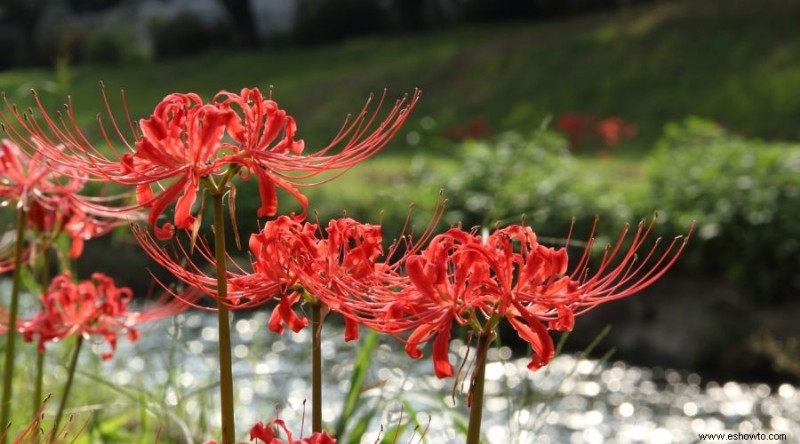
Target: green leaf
x=357 y=381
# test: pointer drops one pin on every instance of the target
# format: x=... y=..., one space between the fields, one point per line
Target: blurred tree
x=241 y=14
x=411 y=14
x=416 y=15
x=22 y=17
x=91 y=5
x=491 y=10
x=326 y=21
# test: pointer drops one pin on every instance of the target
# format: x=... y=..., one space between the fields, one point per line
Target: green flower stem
x=37 y=387
x=476 y=389
x=223 y=325
x=11 y=336
x=316 y=367
x=73 y=364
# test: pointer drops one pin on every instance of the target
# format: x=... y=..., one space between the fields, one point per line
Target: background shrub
x=535 y=176
x=112 y=46
x=10 y=49
x=186 y=34
x=744 y=195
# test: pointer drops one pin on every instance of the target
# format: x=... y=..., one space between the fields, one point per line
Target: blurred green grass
x=736 y=62
x=732 y=61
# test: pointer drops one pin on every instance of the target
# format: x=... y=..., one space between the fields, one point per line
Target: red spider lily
x=477 y=282
x=180 y=263
x=28 y=179
x=186 y=142
x=299 y=259
x=290 y=259
x=50 y=197
x=344 y=267
x=270 y=435
x=336 y=267
x=94 y=307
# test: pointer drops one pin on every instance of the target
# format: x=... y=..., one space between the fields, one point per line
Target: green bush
x=185 y=34
x=9 y=49
x=534 y=176
x=111 y=46
x=744 y=195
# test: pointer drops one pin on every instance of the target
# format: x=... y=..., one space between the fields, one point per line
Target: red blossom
x=580 y=128
x=269 y=434
x=50 y=197
x=179 y=261
x=93 y=307
x=180 y=141
x=466 y=279
x=575 y=126
x=344 y=267
x=613 y=129
x=187 y=142
x=299 y=259
x=476 y=129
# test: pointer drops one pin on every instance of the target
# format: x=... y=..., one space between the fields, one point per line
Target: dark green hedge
x=743 y=194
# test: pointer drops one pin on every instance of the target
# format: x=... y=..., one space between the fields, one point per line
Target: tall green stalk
x=223 y=323
x=37 y=384
x=316 y=367
x=73 y=364
x=37 y=387
x=13 y=311
x=476 y=389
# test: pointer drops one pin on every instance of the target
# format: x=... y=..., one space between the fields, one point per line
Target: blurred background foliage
x=744 y=193
x=555 y=110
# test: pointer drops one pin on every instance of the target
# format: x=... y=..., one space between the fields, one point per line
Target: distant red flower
x=93 y=307
x=187 y=142
x=465 y=279
x=575 y=126
x=476 y=129
x=613 y=129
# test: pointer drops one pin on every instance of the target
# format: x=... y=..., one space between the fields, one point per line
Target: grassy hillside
x=736 y=61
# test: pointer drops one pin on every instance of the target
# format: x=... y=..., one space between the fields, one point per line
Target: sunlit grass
x=649 y=65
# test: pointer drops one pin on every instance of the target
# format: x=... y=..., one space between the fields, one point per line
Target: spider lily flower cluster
x=188 y=143
x=416 y=290
x=270 y=433
x=50 y=197
x=464 y=278
x=94 y=307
